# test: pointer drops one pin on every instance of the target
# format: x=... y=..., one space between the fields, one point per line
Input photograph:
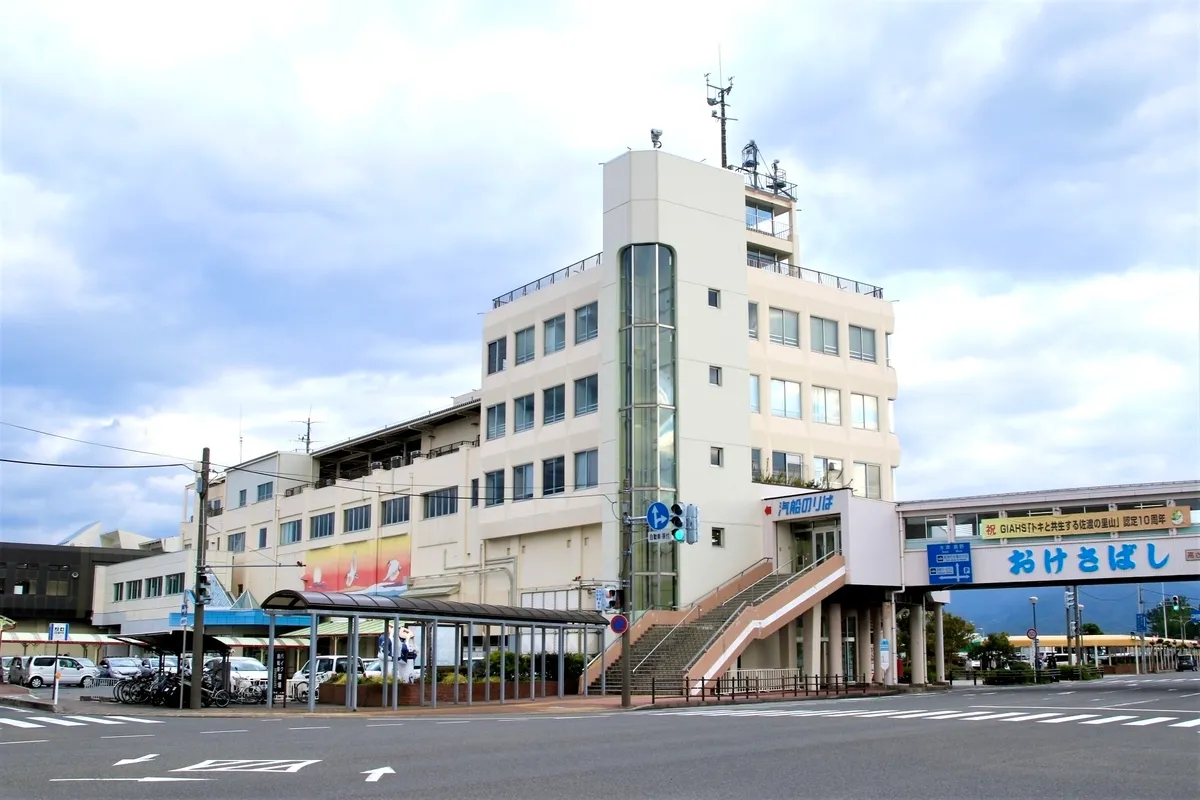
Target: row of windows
x=554 y=407
x=865 y=478
x=554 y=338
x=148 y=587
x=784 y=329
x=825 y=404
x=264 y=491
x=554 y=479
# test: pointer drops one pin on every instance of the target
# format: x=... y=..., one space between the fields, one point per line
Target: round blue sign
x=657 y=516
x=619 y=624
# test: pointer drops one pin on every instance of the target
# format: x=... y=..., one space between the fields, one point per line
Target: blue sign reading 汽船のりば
x=949 y=563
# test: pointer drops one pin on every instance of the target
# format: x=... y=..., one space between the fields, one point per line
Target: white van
x=39 y=671
x=327 y=667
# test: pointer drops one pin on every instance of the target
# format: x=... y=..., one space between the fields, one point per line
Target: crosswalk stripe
x=1151 y=721
x=96 y=720
x=1191 y=723
x=1027 y=717
x=53 y=721
x=955 y=714
x=19 y=723
x=137 y=719
x=1106 y=720
x=1003 y=715
x=915 y=714
x=1072 y=718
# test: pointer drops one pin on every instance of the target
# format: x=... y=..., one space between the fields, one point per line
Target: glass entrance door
x=825 y=539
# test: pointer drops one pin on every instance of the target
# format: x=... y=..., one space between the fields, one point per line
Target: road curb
x=35 y=703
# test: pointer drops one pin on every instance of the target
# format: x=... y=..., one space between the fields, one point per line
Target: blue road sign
x=1196 y=617
x=1140 y=623
x=657 y=516
x=619 y=624
x=949 y=563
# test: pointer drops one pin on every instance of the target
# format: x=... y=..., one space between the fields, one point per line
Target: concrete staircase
x=663 y=654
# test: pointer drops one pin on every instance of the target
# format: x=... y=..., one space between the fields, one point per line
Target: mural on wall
x=377 y=566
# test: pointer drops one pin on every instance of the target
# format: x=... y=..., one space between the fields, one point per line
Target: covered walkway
x=428 y=614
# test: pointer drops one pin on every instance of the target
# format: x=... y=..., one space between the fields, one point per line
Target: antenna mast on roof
x=718 y=96
x=240 y=434
x=306 y=437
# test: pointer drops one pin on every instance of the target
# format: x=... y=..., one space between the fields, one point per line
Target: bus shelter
x=428 y=614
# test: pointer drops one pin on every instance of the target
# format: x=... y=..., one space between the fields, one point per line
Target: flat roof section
x=398 y=433
x=1124 y=490
x=331 y=603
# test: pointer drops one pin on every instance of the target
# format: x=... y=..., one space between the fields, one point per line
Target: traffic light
x=203 y=595
x=612 y=599
x=692 y=523
x=1174 y=602
x=678 y=525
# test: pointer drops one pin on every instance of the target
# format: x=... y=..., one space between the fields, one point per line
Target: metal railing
x=783 y=232
x=549 y=280
x=729 y=620
x=815 y=276
x=731 y=687
x=697 y=605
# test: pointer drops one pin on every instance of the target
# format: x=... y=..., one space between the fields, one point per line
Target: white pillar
x=889 y=627
x=878 y=673
x=863 y=642
x=812 y=641
x=939 y=641
x=836 y=642
x=916 y=645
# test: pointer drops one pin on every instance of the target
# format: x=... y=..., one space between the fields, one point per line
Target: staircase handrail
x=729 y=621
x=696 y=607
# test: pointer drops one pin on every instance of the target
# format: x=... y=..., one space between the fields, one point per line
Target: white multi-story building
x=689 y=359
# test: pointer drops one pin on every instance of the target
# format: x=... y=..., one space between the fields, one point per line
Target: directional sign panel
x=949 y=563
x=60 y=631
x=657 y=516
x=1140 y=623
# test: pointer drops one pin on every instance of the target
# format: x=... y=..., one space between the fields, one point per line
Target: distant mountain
x=1111 y=606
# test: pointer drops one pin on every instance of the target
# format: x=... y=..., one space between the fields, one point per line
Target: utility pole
x=1140 y=660
x=626 y=578
x=717 y=96
x=201 y=547
x=1078 y=631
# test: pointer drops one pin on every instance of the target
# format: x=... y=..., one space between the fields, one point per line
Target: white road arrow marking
x=139 y=760
x=375 y=774
x=151 y=779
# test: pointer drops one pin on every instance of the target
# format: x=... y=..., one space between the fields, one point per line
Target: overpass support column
x=862 y=640
x=939 y=644
x=812 y=641
x=916 y=644
x=889 y=632
x=879 y=674
x=836 y=642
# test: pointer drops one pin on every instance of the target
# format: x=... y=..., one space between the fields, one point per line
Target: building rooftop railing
x=823 y=278
x=554 y=277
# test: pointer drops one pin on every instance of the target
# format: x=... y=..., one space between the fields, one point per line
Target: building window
x=587 y=395
x=864 y=412
x=319 y=526
x=118 y=592
x=556 y=334
x=291 y=532
x=554 y=404
x=895 y=494
x=714 y=376
x=887 y=348
x=788 y=466
x=474 y=492
x=523 y=413
x=714 y=298
x=587 y=469
x=262 y=538
x=525 y=345
x=241 y=497
x=718 y=537
x=493 y=488
x=554 y=476
x=266 y=491
x=497 y=354
x=496 y=422
x=824 y=335
x=154 y=586
x=523 y=482
x=236 y=542
x=866 y=480
x=133 y=590
x=862 y=344
x=175 y=583
x=755 y=399
x=827 y=405
x=752 y=309
x=587 y=323
x=785 y=327
x=891 y=412
x=785 y=399
x=441 y=503
x=755 y=463
x=827 y=471
x=716 y=456
x=356 y=519
x=393 y=511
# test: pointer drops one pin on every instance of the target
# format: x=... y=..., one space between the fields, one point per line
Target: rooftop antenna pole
x=306 y=438
x=718 y=97
x=240 y=439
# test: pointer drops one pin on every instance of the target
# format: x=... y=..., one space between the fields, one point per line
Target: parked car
x=241 y=670
x=1185 y=664
x=327 y=667
x=72 y=672
x=122 y=667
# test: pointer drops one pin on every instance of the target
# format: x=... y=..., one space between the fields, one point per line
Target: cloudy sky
x=245 y=210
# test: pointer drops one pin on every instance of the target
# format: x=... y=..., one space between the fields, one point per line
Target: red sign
x=1031 y=633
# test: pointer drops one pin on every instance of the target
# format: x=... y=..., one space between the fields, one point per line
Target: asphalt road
x=1108 y=739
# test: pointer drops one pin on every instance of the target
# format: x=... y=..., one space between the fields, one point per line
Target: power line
x=91 y=466
x=90 y=444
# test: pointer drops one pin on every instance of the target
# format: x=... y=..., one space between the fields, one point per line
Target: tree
x=1090 y=629
x=956 y=636
x=992 y=651
x=1154 y=620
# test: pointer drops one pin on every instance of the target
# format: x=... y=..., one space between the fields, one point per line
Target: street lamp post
x=1033 y=607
